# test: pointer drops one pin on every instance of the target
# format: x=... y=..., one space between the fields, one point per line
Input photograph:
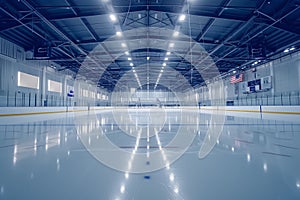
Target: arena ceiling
x=127 y=35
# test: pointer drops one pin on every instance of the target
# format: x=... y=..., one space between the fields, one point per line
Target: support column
x=65 y=91
x=272 y=78
x=43 y=85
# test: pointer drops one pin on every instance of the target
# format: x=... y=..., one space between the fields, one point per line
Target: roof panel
x=221 y=26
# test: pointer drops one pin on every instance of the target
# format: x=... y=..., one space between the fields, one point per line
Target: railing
x=22 y=99
x=281 y=99
x=32 y=100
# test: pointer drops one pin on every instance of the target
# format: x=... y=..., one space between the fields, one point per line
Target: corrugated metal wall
x=11 y=50
x=285 y=73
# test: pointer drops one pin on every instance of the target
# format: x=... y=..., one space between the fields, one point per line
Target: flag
x=236 y=78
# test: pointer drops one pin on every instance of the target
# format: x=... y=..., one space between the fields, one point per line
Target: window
x=85 y=93
x=54 y=86
x=93 y=95
x=28 y=80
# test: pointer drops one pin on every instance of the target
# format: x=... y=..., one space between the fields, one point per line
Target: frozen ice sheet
x=45 y=158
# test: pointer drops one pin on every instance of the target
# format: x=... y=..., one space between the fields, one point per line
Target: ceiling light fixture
x=292 y=48
x=113 y=17
x=176 y=190
x=287 y=50
x=182 y=17
x=171 y=177
x=176 y=33
x=122 y=189
x=118 y=33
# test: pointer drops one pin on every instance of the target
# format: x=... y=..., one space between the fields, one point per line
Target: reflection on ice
x=116 y=157
x=38 y=151
x=248 y=157
x=2 y=190
x=265 y=167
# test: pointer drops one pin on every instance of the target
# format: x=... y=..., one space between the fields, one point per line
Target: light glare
x=113 y=17
x=182 y=17
x=176 y=33
x=118 y=33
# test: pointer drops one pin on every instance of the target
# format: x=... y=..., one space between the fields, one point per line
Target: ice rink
x=141 y=154
x=150 y=100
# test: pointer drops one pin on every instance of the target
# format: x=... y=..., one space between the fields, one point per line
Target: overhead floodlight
x=148 y=58
x=131 y=64
x=286 y=50
x=126 y=53
x=168 y=53
x=164 y=64
x=292 y=48
x=176 y=33
x=122 y=189
x=171 y=44
x=118 y=33
x=171 y=177
x=123 y=44
x=182 y=17
x=113 y=17
x=166 y=58
x=129 y=58
x=176 y=190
